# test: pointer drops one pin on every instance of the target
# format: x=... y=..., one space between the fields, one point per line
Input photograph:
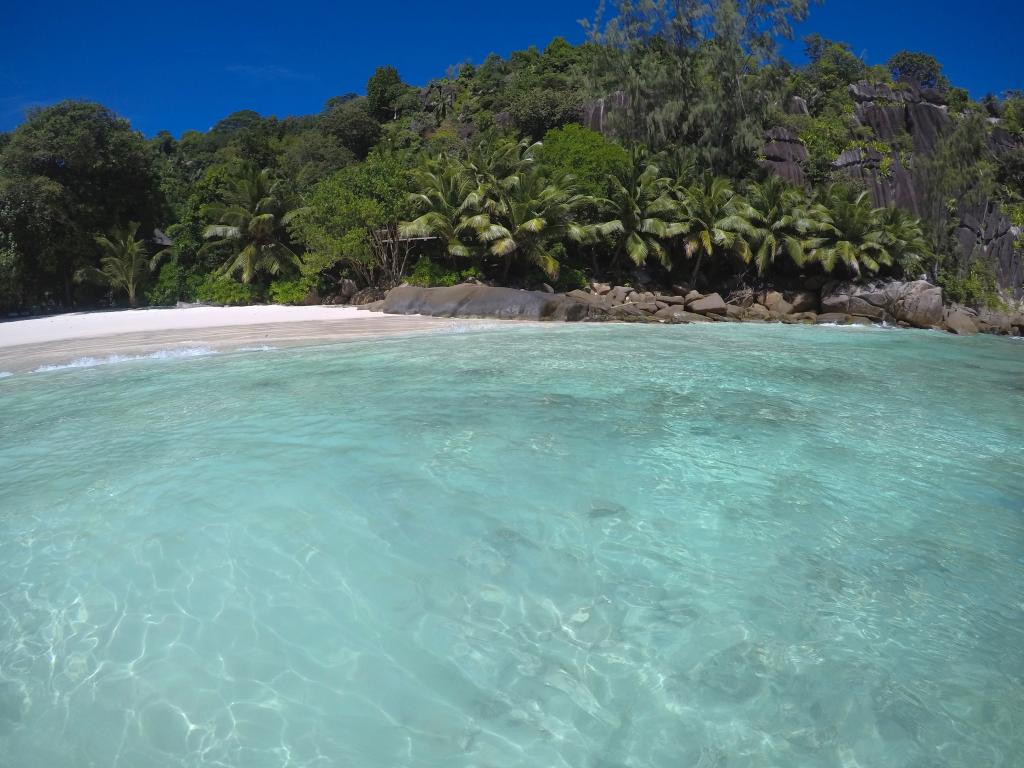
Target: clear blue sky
x=184 y=65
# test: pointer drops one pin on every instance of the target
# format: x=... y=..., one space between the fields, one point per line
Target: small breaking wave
x=5 y=374
x=859 y=326
x=260 y=348
x=163 y=354
x=458 y=326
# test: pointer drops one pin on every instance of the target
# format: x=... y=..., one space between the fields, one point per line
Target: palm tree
x=124 y=264
x=449 y=203
x=643 y=212
x=904 y=238
x=849 y=231
x=497 y=164
x=254 y=217
x=528 y=213
x=717 y=219
x=780 y=223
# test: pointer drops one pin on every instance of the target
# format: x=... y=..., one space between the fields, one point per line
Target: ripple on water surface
x=585 y=546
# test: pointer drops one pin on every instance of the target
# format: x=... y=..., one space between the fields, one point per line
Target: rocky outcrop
x=785 y=154
x=984 y=228
x=473 y=300
x=917 y=303
x=366 y=296
x=708 y=305
x=913 y=121
x=907 y=304
x=596 y=113
x=601 y=302
x=960 y=322
x=891 y=111
x=922 y=115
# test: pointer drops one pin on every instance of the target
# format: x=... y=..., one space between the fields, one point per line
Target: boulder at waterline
x=960 y=322
x=861 y=308
x=918 y=303
x=833 y=318
x=679 y=315
x=484 y=301
x=709 y=305
x=804 y=301
x=757 y=312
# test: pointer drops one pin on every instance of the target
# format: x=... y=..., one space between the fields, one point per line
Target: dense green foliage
x=224 y=290
x=291 y=291
x=489 y=173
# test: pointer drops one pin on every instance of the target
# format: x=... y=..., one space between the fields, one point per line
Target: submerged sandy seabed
x=62 y=339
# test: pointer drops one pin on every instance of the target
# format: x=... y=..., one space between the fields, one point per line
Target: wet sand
x=61 y=339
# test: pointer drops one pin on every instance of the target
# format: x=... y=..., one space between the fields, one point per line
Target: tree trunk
x=696 y=270
x=506 y=269
x=617 y=264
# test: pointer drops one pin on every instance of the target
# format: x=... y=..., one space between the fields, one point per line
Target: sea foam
x=163 y=354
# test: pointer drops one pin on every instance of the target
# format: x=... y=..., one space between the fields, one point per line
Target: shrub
x=429 y=274
x=825 y=137
x=169 y=286
x=570 y=279
x=977 y=288
x=223 y=290
x=291 y=291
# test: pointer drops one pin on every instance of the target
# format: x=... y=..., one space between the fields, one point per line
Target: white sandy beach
x=61 y=339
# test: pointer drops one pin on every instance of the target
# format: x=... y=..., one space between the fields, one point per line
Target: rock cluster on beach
x=916 y=304
x=477 y=300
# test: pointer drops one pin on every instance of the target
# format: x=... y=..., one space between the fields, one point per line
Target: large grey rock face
x=484 y=301
x=785 y=154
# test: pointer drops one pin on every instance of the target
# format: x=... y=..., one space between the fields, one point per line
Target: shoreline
x=89 y=339
x=93 y=338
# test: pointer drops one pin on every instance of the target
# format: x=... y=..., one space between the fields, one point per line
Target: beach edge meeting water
x=45 y=341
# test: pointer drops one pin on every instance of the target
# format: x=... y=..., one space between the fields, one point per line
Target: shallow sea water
x=709 y=547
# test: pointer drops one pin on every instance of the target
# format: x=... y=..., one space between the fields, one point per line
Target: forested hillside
x=675 y=141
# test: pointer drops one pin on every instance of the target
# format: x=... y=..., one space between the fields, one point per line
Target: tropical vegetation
x=639 y=151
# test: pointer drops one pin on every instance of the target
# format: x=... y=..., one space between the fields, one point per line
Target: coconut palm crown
x=254 y=218
x=124 y=264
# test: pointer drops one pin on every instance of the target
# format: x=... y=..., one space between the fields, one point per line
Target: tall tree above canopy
x=382 y=93
x=352 y=125
x=689 y=72
x=103 y=166
x=71 y=170
x=917 y=69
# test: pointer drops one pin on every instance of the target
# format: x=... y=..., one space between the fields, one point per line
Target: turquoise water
x=601 y=546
